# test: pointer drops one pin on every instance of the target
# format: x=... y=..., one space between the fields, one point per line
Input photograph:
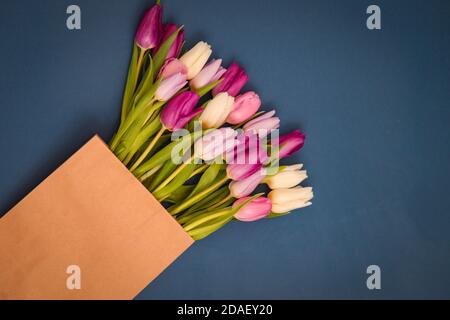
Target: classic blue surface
x=374 y=105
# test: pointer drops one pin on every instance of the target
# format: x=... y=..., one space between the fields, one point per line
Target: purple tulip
x=149 y=32
x=243 y=188
x=175 y=49
x=249 y=150
x=180 y=110
x=170 y=86
x=256 y=209
x=234 y=79
x=263 y=125
x=291 y=143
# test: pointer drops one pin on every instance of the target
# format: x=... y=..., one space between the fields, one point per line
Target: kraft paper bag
x=91 y=214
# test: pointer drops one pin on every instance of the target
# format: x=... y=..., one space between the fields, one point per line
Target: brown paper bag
x=91 y=214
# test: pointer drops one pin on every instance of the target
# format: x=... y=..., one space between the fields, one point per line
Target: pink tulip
x=215 y=144
x=263 y=125
x=174 y=50
x=243 y=188
x=170 y=86
x=291 y=143
x=256 y=209
x=234 y=79
x=149 y=31
x=210 y=73
x=245 y=106
x=171 y=67
x=180 y=110
x=239 y=172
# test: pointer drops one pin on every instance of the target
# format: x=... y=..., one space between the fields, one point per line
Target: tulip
x=180 y=110
x=289 y=177
x=245 y=106
x=263 y=125
x=170 y=86
x=171 y=67
x=215 y=144
x=234 y=79
x=209 y=74
x=256 y=209
x=174 y=50
x=243 y=188
x=149 y=31
x=290 y=143
x=239 y=172
x=285 y=200
x=216 y=111
x=249 y=150
x=196 y=58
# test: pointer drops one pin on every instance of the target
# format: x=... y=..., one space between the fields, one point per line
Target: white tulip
x=285 y=200
x=196 y=58
x=216 y=111
x=287 y=178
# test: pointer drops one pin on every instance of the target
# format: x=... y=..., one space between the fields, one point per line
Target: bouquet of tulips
x=198 y=144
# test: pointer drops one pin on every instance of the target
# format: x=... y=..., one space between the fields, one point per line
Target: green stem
x=139 y=63
x=149 y=148
x=199 y=170
x=174 y=174
x=197 y=197
x=223 y=201
x=149 y=173
x=207 y=218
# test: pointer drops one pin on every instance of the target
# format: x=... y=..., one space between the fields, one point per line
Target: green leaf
x=165 y=154
x=165 y=171
x=143 y=136
x=130 y=85
x=176 y=183
x=161 y=55
x=146 y=82
x=201 y=233
x=276 y=215
x=207 y=179
x=209 y=200
x=203 y=91
x=179 y=194
x=147 y=96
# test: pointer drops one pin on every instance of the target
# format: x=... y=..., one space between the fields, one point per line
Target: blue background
x=374 y=105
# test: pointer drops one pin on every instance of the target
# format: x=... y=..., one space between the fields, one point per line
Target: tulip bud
x=180 y=110
x=171 y=67
x=149 y=31
x=174 y=50
x=285 y=200
x=216 y=111
x=243 y=188
x=196 y=58
x=289 y=177
x=290 y=143
x=215 y=144
x=263 y=125
x=256 y=209
x=170 y=86
x=210 y=73
x=234 y=79
x=245 y=106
